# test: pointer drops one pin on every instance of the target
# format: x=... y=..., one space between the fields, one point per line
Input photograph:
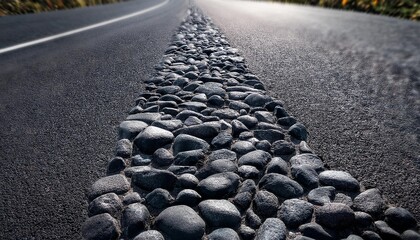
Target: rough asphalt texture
x=351 y=78
x=60 y=104
x=205 y=153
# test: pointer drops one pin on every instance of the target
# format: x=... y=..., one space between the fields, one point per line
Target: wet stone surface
x=205 y=153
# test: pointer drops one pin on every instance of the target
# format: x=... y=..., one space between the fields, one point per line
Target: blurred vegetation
x=409 y=9
x=9 y=7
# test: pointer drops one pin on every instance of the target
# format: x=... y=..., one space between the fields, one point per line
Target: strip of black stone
x=206 y=154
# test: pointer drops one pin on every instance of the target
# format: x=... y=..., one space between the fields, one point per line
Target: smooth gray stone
x=344 y=199
x=116 y=165
x=399 y=218
x=242 y=147
x=220 y=213
x=189 y=158
x=180 y=223
x=187 y=180
x=410 y=235
x=138 y=160
x=132 y=197
x=222 y=154
x=188 y=197
x=135 y=218
x=130 y=129
x=271 y=135
x=370 y=201
x=107 y=203
x=217 y=166
x=334 y=215
x=282 y=186
x=246 y=233
x=191 y=121
x=223 y=234
x=257 y=100
x=280 y=112
x=150 y=179
x=354 y=237
x=210 y=90
x=369 y=235
x=295 y=212
x=363 y=220
x=270 y=106
x=115 y=183
x=194 y=106
x=184 y=142
x=159 y=199
x=238 y=128
x=188 y=113
x=257 y=158
x=248 y=171
x=305 y=175
x=277 y=165
x=179 y=170
x=216 y=101
x=265 y=116
x=248 y=186
x=340 y=180
x=170 y=125
x=225 y=113
x=252 y=219
x=265 y=204
x=238 y=105
x=263 y=145
x=123 y=148
x=220 y=185
x=298 y=131
x=283 y=147
x=309 y=159
x=162 y=157
x=148 y=118
x=99 y=227
x=249 y=121
x=170 y=97
x=150 y=235
x=168 y=90
x=207 y=130
x=153 y=138
x=321 y=195
x=272 y=229
x=242 y=200
x=386 y=232
x=222 y=140
x=315 y=231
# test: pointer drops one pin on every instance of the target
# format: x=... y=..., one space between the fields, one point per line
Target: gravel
x=221 y=166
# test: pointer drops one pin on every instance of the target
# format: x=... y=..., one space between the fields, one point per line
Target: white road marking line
x=78 y=30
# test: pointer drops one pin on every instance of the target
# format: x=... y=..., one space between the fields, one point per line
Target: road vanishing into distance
x=351 y=78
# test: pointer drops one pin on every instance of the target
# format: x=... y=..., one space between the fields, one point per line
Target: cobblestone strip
x=206 y=154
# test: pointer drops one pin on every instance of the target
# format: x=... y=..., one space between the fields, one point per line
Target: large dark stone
x=150 y=179
x=334 y=215
x=272 y=229
x=370 y=201
x=115 y=183
x=189 y=158
x=152 y=138
x=100 y=227
x=223 y=234
x=135 y=219
x=180 y=223
x=399 y=218
x=257 y=100
x=257 y=158
x=295 y=212
x=220 y=213
x=184 y=142
x=339 y=179
x=148 y=117
x=130 y=129
x=282 y=186
x=265 y=204
x=308 y=159
x=219 y=185
x=107 y=203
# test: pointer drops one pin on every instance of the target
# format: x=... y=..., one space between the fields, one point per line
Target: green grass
x=11 y=7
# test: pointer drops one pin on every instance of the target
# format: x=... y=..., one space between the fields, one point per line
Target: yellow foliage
x=344 y=3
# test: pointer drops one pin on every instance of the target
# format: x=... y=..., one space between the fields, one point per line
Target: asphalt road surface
x=351 y=78
x=60 y=103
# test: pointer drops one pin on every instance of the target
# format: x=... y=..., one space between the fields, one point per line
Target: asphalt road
x=60 y=103
x=351 y=78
